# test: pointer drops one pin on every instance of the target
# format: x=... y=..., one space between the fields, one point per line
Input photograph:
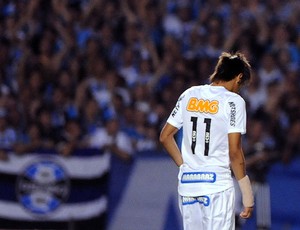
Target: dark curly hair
x=229 y=66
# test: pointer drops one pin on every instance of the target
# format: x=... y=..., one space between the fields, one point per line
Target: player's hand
x=246 y=213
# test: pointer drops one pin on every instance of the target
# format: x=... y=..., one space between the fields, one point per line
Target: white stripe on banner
x=66 y=212
x=77 y=167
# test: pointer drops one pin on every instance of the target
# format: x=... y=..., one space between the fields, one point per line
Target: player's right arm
x=168 y=141
x=173 y=124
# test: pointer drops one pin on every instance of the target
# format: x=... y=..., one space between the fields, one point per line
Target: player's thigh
x=192 y=213
x=220 y=214
x=214 y=211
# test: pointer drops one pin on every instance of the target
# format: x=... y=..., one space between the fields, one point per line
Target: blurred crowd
x=107 y=73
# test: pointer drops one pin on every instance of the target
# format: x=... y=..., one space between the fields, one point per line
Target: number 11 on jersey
x=207 y=121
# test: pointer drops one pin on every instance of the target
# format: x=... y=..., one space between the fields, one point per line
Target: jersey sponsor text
x=232 y=113
x=191 y=200
x=203 y=106
x=198 y=177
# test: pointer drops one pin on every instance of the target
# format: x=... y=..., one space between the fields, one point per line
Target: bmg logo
x=43 y=187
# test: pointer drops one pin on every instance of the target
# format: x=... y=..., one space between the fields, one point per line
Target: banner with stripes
x=44 y=187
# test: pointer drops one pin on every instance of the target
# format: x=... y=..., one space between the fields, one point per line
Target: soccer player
x=212 y=118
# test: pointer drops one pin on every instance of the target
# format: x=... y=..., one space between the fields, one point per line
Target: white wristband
x=246 y=189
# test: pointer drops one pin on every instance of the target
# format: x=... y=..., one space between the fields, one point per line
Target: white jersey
x=207 y=114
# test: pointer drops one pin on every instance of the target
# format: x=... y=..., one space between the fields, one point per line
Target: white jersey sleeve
x=237 y=111
x=176 y=118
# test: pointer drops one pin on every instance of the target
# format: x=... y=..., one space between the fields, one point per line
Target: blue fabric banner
x=43 y=187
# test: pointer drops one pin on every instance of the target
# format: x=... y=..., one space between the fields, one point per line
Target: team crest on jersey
x=198 y=177
x=203 y=106
x=192 y=200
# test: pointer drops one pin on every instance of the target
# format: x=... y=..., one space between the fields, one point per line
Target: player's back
x=208 y=112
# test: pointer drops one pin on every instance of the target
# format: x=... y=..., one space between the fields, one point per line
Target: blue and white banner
x=50 y=187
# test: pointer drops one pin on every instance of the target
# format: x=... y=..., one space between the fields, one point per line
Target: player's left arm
x=237 y=127
x=238 y=166
x=168 y=141
x=236 y=155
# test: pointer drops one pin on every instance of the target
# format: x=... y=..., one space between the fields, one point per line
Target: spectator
x=255 y=95
x=49 y=133
x=269 y=71
x=32 y=140
x=128 y=67
x=91 y=116
x=8 y=136
x=112 y=139
x=72 y=138
x=292 y=147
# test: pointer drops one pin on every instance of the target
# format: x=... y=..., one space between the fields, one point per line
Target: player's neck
x=226 y=84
